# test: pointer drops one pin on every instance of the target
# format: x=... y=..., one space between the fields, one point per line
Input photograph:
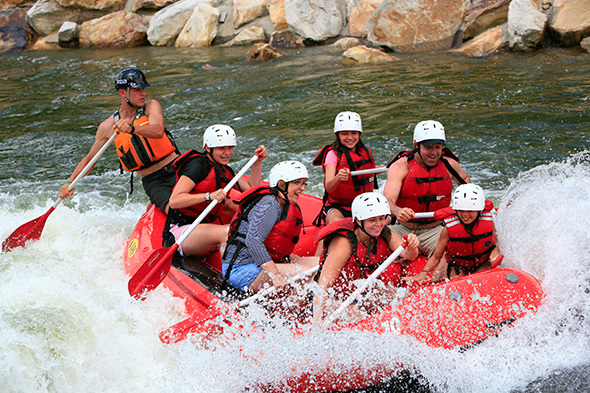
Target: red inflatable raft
x=452 y=314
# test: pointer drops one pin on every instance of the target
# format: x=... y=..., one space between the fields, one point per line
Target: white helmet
x=348 y=121
x=429 y=132
x=287 y=171
x=469 y=197
x=368 y=205
x=219 y=135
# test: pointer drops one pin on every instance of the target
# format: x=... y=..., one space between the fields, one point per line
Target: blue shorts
x=241 y=276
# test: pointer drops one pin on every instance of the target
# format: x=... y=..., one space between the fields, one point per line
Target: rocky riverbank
x=368 y=30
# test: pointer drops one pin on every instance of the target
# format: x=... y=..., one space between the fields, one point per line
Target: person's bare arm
x=395 y=177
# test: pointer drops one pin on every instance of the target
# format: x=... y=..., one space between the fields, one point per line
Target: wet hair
x=339 y=148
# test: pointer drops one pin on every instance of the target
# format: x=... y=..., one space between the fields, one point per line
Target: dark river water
x=520 y=124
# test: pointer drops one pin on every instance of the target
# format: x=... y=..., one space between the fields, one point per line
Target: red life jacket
x=346 y=191
x=426 y=190
x=218 y=177
x=283 y=236
x=137 y=152
x=362 y=261
x=471 y=247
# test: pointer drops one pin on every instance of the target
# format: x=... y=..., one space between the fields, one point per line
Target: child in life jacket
x=468 y=237
x=347 y=153
x=353 y=249
x=201 y=178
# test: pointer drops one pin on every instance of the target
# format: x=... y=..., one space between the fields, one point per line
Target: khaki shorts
x=428 y=237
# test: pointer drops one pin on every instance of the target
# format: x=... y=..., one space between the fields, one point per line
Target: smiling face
x=295 y=188
x=374 y=225
x=431 y=154
x=349 y=139
x=467 y=216
x=222 y=154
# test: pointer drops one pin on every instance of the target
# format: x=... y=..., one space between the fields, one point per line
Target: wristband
x=208 y=197
x=424 y=270
x=69 y=181
x=132 y=129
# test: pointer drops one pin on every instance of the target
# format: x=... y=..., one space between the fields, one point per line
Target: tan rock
x=571 y=22
x=416 y=26
x=347 y=43
x=262 y=52
x=120 y=29
x=201 y=27
x=247 y=10
x=41 y=44
x=250 y=35
x=286 y=39
x=276 y=10
x=484 y=44
x=483 y=16
x=362 y=54
x=360 y=15
x=102 y=5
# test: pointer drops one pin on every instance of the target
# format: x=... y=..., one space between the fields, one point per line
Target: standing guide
x=143 y=143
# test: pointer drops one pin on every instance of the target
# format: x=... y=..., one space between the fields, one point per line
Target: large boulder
x=167 y=23
x=363 y=55
x=360 y=15
x=246 y=11
x=485 y=44
x=525 y=30
x=201 y=27
x=416 y=26
x=483 y=16
x=316 y=20
x=570 y=22
x=46 y=16
x=120 y=29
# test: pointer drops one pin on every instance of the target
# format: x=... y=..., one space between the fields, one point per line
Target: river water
x=519 y=122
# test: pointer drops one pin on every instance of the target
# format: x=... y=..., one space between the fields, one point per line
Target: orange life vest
x=426 y=190
x=218 y=177
x=137 y=152
x=362 y=261
x=346 y=191
x=284 y=235
x=471 y=247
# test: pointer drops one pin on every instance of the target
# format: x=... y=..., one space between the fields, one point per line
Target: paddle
x=369 y=171
x=153 y=271
x=179 y=331
x=366 y=284
x=32 y=229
